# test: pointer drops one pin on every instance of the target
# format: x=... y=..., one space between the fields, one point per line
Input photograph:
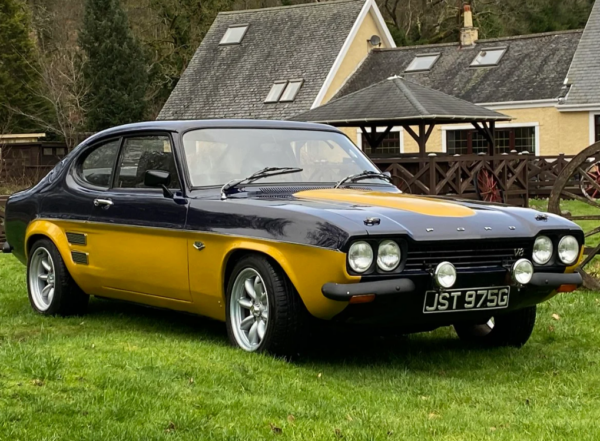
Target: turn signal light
x=566 y=288
x=367 y=298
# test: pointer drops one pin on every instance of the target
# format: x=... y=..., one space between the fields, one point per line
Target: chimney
x=468 y=34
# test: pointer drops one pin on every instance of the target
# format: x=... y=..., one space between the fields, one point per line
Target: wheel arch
x=47 y=230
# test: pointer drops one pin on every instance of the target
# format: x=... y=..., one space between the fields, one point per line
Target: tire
x=46 y=268
x=510 y=329
x=283 y=309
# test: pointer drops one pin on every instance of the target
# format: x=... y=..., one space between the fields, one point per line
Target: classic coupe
x=268 y=225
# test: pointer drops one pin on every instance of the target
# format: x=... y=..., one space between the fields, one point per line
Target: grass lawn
x=125 y=372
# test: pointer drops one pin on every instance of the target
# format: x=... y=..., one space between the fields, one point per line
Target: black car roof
x=186 y=125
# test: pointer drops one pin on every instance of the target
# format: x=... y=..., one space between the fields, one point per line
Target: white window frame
x=359 y=134
x=284 y=84
x=228 y=43
x=434 y=54
x=503 y=49
x=515 y=125
x=593 y=116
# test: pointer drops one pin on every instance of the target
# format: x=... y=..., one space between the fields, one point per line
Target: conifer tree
x=114 y=66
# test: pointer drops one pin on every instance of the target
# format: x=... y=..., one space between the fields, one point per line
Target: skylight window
x=290 y=92
x=284 y=91
x=422 y=62
x=234 y=34
x=276 y=91
x=489 y=57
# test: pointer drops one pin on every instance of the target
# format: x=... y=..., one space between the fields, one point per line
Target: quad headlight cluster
x=543 y=250
x=361 y=256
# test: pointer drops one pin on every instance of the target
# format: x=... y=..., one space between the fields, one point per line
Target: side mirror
x=160 y=179
x=388 y=174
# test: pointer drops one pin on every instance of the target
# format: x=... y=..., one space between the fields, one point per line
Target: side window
x=142 y=154
x=96 y=169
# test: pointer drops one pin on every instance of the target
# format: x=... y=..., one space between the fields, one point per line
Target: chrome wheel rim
x=42 y=278
x=249 y=309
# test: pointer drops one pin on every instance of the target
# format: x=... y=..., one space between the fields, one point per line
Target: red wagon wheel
x=581 y=181
x=590 y=181
x=487 y=187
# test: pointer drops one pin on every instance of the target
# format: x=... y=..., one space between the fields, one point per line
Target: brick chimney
x=468 y=34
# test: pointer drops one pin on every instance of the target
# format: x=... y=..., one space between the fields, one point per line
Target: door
x=138 y=238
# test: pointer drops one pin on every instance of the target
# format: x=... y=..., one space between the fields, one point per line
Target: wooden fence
x=458 y=175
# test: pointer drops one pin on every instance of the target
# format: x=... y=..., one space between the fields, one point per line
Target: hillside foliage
x=155 y=40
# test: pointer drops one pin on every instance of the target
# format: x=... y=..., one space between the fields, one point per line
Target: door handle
x=104 y=203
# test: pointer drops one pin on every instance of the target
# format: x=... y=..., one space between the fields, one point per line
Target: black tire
x=511 y=329
x=286 y=312
x=68 y=298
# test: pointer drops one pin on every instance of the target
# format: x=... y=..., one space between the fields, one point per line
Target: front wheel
x=510 y=329
x=264 y=312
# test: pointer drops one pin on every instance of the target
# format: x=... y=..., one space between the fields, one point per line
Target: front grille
x=467 y=254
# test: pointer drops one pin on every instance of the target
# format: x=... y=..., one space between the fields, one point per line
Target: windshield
x=217 y=156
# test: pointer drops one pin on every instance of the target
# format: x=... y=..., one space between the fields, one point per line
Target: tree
x=18 y=73
x=114 y=67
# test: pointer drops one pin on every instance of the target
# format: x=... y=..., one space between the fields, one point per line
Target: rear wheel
x=264 y=312
x=510 y=329
x=51 y=288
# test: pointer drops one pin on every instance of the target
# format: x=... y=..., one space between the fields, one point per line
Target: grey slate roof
x=584 y=74
x=396 y=100
x=534 y=67
x=282 y=43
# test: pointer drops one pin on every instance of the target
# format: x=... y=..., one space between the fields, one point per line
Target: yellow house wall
x=357 y=52
x=559 y=132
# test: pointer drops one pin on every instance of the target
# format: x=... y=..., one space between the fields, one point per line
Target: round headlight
x=522 y=271
x=388 y=255
x=542 y=250
x=445 y=275
x=360 y=256
x=568 y=250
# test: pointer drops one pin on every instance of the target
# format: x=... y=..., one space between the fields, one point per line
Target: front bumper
x=399 y=301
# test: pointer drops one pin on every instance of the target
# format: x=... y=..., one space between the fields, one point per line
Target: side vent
x=77 y=238
x=78 y=257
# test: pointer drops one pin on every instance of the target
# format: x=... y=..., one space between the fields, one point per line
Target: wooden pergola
x=398 y=102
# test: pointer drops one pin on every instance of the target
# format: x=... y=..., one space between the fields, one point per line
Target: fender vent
x=78 y=257
x=77 y=238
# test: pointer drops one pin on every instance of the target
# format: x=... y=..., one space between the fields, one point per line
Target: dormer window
x=284 y=91
x=422 y=62
x=489 y=57
x=234 y=34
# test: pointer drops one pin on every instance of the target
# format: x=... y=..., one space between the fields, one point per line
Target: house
x=280 y=62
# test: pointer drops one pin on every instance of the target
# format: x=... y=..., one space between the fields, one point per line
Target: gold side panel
x=162 y=267
x=415 y=204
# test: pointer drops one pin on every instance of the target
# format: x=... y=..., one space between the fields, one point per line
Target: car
x=272 y=226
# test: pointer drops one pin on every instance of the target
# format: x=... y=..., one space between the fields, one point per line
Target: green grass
x=124 y=372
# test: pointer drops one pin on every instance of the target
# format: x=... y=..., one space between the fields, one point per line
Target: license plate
x=471 y=299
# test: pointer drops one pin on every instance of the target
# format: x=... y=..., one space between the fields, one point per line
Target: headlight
x=522 y=271
x=542 y=250
x=445 y=275
x=568 y=250
x=360 y=256
x=388 y=255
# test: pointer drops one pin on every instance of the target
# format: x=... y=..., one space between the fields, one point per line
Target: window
x=390 y=145
x=489 y=57
x=47 y=151
x=597 y=127
x=290 y=92
x=464 y=142
x=142 y=154
x=60 y=151
x=97 y=166
x=234 y=34
x=284 y=91
x=276 y=91
x=422 y=62
x=216 y=156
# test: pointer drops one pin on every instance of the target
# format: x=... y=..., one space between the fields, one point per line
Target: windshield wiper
x=264 y=173
x=367 y=174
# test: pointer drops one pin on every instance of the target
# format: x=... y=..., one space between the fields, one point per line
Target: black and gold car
x=263 y=224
